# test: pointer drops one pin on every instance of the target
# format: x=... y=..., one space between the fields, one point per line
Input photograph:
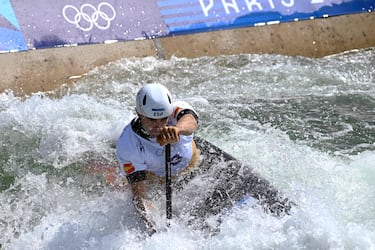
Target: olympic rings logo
x=88 y=15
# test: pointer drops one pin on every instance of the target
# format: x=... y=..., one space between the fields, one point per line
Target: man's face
x=153 y=126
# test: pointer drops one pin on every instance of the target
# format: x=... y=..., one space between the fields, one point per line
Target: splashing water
x=306 y=125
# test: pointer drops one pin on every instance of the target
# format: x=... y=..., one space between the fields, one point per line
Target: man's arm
x=187 y=124
x=139 y=190
x=141 y=201
x=140 y=197
x=137 y=181
x=142 y=204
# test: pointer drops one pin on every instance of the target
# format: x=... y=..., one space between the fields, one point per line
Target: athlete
x=140 y=149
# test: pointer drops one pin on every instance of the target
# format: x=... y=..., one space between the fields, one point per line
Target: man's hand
x=145 y=209
x=168 y=135
x=142 y=205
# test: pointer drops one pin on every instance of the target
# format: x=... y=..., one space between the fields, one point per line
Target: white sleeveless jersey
x=135 y=153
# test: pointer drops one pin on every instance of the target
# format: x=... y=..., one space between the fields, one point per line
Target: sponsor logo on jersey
x=176 y=159
x=140 y=147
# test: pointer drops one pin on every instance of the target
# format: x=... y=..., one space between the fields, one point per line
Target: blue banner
x=186 y=16
x=43 y=24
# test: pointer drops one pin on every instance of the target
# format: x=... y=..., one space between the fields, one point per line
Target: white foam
x=334 y=193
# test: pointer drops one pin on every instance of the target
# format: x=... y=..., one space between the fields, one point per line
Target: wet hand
x=168 y=135
x=145 y=209
x=142 y=205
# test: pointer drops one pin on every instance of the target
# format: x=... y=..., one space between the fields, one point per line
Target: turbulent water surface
x=306 y=125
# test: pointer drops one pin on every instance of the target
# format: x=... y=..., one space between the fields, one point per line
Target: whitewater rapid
x=306 y=125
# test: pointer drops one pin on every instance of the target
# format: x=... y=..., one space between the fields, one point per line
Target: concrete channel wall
x=36 y=70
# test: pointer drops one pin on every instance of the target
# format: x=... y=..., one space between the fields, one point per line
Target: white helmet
x=154 y=101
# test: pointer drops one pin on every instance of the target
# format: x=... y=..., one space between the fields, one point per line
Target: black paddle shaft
x=168 y=181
